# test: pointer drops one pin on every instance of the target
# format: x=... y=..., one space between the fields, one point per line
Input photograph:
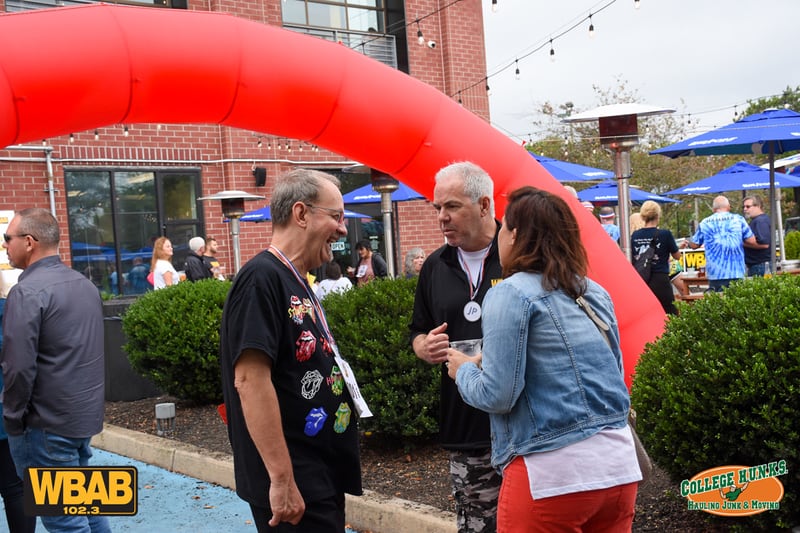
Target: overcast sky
x=694 y=56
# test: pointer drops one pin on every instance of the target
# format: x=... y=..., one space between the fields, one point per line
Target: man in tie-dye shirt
x=723 y=234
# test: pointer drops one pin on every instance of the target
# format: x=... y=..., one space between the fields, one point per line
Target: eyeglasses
x=746 y=206
x=7 y=237
x=335 y=214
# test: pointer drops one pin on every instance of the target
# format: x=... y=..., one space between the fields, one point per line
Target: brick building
x=115 y=189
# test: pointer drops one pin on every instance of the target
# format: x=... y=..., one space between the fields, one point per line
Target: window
x=116 y=215
x=351 y=15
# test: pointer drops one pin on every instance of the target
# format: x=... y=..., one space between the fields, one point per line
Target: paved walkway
x=174 y=503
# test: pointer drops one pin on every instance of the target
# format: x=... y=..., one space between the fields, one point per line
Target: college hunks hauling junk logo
x=736 y=490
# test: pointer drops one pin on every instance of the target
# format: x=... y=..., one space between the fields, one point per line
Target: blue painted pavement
x=173 y=503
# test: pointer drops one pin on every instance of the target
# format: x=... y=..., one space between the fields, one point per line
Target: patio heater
x=232 y=209
x=386 y=185
x=619 y=133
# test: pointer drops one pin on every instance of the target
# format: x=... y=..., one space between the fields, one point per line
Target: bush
x=173 y=338
x=722 y=387
x=792 y=244
x=370 y=325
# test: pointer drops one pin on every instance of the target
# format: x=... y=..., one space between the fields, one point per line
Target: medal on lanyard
x=347 y=373
x=472 y=309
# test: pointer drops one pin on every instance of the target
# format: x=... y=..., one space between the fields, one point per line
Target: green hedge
x=173 y=338
x=370 y=325
x=722 y=387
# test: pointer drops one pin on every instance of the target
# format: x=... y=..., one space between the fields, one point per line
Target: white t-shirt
x=606 y=459
x=327 y=286
x=163 y=266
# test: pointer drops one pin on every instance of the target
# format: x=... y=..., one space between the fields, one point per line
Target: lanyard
x=323 y=322
x=473 y=288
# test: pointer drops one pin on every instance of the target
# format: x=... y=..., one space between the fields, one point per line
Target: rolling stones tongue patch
x=315 y=420
x=306 y=346
x=298 y=309
x=342 y=418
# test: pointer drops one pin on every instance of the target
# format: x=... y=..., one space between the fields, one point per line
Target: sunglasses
x=7 y=237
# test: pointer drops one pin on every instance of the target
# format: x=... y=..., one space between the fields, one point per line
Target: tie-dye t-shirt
x=723 y=235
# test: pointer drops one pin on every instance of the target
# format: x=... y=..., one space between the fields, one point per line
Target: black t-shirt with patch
x=269 y=310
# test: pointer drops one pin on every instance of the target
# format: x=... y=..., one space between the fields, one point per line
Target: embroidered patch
x=311 y=383
x=326 y=347
x=306 y=346
x=309 y=308
x=336 y=381
x=297 y=311
x=315 y=419
x=342 y=418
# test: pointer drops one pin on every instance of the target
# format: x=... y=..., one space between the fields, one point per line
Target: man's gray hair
x=301 y=185
x=721 y=202
x=40 y=224
x=477 y=182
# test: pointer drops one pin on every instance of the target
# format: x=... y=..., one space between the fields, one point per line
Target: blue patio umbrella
x=367 y=195
x=606 y=193
x=263 y=214
x=774 y=131
x=566 y=171
x=740 y=177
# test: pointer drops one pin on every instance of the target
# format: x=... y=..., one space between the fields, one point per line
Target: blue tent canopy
x=740 y=177
x=606 y=193
x=566 y=171
x=367 y=195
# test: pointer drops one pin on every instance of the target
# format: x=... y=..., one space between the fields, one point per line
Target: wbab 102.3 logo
x=98 y=490
x=736 y=490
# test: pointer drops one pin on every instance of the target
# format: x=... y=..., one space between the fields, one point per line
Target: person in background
x=291 y=401
x=724 y=235
x=164 y=274
x=415 y=257
x=447 y=307
x=370 y=266
x=659 y=282
x=195 y=268
x=572 y=191
x=636 y=221
x=137 y=277
x=334 y=282
x=607 y=217
x=209 y=257
x=756 y=256
x=10 y=483
x=552 y=380
x=589 y=206
x=52 y=359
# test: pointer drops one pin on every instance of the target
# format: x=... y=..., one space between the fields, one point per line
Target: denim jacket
x=548 y=377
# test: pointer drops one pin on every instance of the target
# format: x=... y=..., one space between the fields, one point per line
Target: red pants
x=604 y=510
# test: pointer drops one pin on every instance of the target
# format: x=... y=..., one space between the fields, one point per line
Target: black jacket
x=196 y=268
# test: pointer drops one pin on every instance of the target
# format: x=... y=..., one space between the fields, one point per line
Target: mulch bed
x=415 y=471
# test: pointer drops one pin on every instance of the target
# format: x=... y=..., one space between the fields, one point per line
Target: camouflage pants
x=476 y=486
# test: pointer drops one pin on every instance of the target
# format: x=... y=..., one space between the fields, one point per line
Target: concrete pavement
x=371 y=512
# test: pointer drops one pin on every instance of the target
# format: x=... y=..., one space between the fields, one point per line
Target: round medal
x=472 y=311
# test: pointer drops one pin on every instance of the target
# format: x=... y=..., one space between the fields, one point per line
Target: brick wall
x=226 y=156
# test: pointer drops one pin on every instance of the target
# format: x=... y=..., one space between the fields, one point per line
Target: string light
x=516 y=74
x=420 y=37
x=552 y=52
x=158 y=127
x=125 y=131
x=636 y=4
x=44 y=142
x=591 y=26
x=258 y=144
x=488 y=89
x=96 y=135
x=495 y=7
x=71 y=137
x=459 y=99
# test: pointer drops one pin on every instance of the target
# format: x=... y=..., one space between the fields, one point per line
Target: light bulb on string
x=516 y=73
x=459 y=99
x=420 y=37
x=96 y=135
x=488 y=90
x=635 y=4
x=591 y=26
x=125 y=132
x=44 y=142
x=552 y=52
x=71 y=138
x=158 y=127
x=495 y=7
x=258 y=143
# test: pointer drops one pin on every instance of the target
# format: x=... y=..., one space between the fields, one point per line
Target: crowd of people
x=534 y=407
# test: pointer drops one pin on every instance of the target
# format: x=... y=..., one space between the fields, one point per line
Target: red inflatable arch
x=78 y=68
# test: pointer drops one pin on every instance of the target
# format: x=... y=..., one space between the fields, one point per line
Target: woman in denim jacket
x=551 y=381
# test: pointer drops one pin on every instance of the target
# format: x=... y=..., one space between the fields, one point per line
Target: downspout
x=48 y=155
